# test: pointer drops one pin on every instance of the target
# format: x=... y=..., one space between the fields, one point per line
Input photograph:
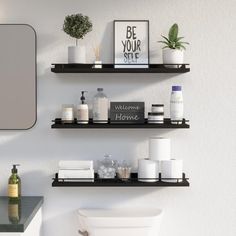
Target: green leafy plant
x=173 y=41
x=77 y=26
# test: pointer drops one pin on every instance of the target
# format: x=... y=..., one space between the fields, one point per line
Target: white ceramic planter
x=173 y=56
x=76 y=54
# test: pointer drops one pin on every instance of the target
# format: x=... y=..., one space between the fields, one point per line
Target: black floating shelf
x=131 y=182
x=110 y=68
x=58 y=124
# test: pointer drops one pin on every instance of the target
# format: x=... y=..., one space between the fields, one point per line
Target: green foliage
x=173 y=41
x=77 y=25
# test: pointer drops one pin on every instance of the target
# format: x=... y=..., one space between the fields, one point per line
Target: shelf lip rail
x=59 y=124
x=116 y=182
x=119 y=68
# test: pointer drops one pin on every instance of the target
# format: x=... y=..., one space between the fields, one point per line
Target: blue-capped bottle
x=176 y=105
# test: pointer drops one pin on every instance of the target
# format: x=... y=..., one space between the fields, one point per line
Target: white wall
x=208 y=207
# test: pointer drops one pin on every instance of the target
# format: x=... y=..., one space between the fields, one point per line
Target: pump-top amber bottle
x=14 y=184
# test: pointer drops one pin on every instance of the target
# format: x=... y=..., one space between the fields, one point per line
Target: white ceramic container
x=172 y=56
x=77 y=54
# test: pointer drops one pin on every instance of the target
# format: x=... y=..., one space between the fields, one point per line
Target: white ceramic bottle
x=176 y=105
x=100 y=107
x=83 y=112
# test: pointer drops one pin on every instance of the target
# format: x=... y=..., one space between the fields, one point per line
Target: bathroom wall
x=208 y=149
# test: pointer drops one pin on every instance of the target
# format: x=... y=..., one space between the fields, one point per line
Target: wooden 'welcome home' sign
x=127 y=112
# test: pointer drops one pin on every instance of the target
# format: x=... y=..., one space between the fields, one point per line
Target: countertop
x=15 y=216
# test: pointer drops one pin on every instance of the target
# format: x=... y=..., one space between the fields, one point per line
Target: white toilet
x=116 y=222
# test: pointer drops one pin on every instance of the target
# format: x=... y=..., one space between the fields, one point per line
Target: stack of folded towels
x=76 y=171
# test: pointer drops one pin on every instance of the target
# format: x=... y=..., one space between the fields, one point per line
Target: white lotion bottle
x=176 y=105
x=83 y=111
x=100 y=107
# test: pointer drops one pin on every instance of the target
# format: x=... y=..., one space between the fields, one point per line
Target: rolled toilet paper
x=147 y=170
x=171 y=169
x=159 y=148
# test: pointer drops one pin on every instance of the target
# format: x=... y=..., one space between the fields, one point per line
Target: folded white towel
x=75 y=165
x=81 y=175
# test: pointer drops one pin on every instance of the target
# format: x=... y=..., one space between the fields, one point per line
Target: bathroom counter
x=16 y=216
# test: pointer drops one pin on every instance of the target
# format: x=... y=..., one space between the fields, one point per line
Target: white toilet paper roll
x=159 y=148
x=171 y=169
x=147 y=169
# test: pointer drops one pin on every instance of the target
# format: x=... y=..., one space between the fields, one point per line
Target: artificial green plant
x=77 y=26
x=173 y=41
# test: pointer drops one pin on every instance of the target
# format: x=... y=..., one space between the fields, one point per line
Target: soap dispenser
x=83 y=111
x=14 y=184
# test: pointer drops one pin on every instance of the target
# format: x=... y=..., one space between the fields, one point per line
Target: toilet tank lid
x=103 y=218
x=119 y=213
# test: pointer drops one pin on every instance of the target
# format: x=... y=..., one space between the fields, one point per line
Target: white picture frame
x=131 y=43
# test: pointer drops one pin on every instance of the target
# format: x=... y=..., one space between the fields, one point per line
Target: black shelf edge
x=132 y=182
x=166 y=125
x=110 y=68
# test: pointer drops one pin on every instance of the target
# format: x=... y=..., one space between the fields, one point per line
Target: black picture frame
x=131 y=65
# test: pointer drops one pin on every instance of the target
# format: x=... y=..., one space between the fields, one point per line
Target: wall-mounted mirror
x=18 y=86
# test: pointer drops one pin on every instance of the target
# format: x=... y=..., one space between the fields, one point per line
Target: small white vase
x=172 y=56
x=76 y=54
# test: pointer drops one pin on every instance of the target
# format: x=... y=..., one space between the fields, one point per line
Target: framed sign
x=127 y=112
x=131 y=43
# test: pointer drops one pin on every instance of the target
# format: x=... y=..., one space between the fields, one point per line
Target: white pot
x=173 y=56
x=76 y=54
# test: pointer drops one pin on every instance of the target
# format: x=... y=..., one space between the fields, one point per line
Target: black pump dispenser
x=14 y=169
x=82 y=98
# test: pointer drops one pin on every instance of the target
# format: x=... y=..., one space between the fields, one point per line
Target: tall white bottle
x=176 y=105
x=100 y=107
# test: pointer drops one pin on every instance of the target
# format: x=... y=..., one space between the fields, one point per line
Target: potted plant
x=173 y=51
x=77 y=26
